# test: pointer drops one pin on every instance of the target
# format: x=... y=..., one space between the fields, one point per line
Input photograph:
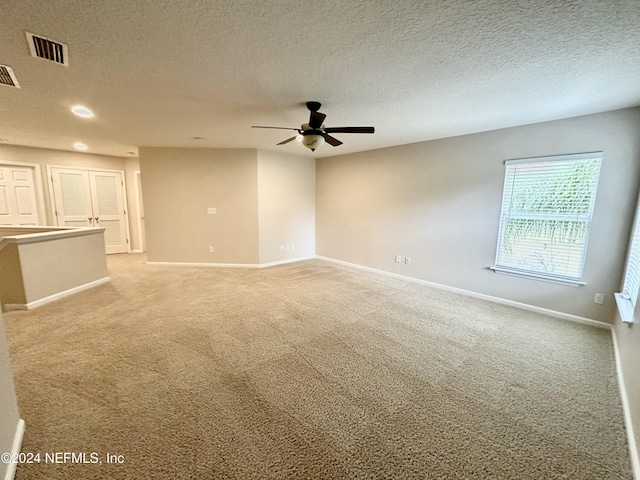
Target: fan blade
x=316 y=119
x=287 y=140
x=330 y=140
x=279 y=128
x=350 y=130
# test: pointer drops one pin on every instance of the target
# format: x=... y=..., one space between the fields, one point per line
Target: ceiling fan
x=314 y=133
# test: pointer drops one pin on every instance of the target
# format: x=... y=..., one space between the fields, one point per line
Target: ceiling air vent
x=7 y=77
x=48 y=49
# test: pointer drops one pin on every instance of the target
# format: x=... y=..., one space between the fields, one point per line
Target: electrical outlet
x=598 y=298
x=282 y=248
x=293 y=246
x=407 y=260
x=210 y=249
x=398 y=258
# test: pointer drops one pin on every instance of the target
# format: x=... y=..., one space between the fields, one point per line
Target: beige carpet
x=309 y=371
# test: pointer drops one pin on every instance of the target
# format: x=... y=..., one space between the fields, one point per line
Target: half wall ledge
x=42 y=264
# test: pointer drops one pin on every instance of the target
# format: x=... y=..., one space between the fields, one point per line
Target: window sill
x=533 y=276
x=625 y=307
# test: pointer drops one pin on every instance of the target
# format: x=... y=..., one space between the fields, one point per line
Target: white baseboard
x=626 y=408
x=15 y=449
x=284 y=262
x=232 y=265
x=502 y=301
x=55 y=296
x=206 y=265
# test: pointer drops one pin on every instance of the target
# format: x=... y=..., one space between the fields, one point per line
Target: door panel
x=71 y=192
x=107 y=200
x=18 y=204
x=5 y=211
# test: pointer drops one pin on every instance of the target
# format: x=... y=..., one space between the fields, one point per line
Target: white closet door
x=17 y=196
x=72 y=195
x=92 y=198
x=107 y=199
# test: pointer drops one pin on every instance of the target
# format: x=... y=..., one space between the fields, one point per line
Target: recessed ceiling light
x=82 y=111
x=80 y=146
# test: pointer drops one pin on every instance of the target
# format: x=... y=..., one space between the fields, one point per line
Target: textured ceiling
x=159 y=72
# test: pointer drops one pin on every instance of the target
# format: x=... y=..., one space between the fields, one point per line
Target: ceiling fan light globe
x=312 y=141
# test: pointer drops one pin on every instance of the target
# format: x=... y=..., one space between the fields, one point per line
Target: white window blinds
x=631 y=285
x=547 y=204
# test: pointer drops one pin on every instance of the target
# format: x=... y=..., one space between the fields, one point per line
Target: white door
x=72 y=197
x=18 y=204
x=92 y=198
x=107 y=200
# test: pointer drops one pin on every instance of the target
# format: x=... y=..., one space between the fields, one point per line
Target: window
x=547 y=204
x=626 y=299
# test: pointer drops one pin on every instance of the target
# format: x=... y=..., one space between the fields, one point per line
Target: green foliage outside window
x=546 y=219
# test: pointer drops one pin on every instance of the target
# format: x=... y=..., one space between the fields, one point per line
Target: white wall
x=59 y=264
x=9 y=416
x=286 y=206
x=438 y=202
x=628 y=342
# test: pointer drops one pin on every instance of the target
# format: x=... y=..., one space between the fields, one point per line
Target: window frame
x=586 y=218
x=627 y=301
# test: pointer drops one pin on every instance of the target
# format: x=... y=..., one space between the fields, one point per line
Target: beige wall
x=262 y=199
x=9 y=416
x=178 y=186
x=11 y=281
x=57 y=265
x=438 y=202
x=34 y=271
x=286 y=206
x=42 y=157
